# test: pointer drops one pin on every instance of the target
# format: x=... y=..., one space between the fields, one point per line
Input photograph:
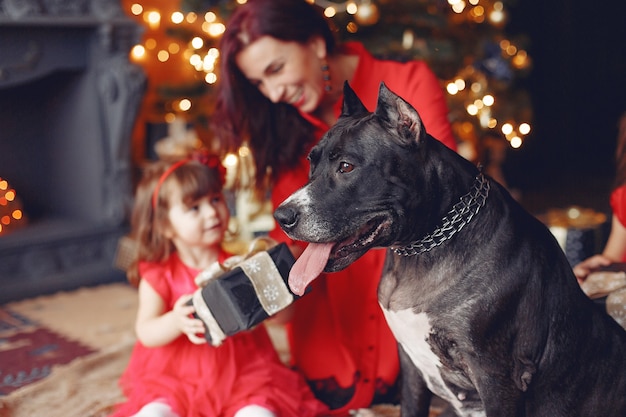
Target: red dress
x=618 y=207
x=207 y=381
x=338 y=336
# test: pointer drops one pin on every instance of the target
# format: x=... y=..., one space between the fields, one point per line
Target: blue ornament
x=493 y=64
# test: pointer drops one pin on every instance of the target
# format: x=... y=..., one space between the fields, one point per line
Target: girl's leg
x=254 y=411
x=156 y=409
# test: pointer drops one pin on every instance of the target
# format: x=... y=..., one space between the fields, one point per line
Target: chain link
x=460 y=215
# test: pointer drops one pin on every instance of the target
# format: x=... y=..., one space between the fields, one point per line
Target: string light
x=470 y=90
x=338 y=7
x=365 y=12
x=177 y=18
x=136 y=9
x=153 y=18
x=11 y=215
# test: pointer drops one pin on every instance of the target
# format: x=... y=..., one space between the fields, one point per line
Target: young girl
x=179 y=220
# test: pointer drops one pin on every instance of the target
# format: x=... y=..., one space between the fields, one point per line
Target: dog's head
x=358 y=195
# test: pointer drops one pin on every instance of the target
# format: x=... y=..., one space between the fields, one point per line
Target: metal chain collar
x=460 y=215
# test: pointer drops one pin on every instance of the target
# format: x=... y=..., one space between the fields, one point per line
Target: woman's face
x=288 y=72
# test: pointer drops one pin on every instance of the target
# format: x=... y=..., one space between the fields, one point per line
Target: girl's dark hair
x=620 y=153
x=276 y=133
x=148 y=222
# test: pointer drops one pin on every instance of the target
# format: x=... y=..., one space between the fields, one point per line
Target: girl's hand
x=187 y=324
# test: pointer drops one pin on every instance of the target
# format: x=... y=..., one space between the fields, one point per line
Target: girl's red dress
x=338 y=336
x=207 y=381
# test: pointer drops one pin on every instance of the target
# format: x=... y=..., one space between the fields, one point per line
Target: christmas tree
x=465 y=43
x=467 y=47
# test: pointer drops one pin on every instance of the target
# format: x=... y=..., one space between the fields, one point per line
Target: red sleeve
x=618 y=204
x=154 y=274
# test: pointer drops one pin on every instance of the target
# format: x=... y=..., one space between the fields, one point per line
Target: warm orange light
x=138 y=52
x=177 y=18
x=136 y=9
x=153 y=18
x=151 y=43
x=163 y=55
x=452 y=89
x=191 y=17
x=516 y=142
x=524 y=128
x=511 y=50
x=210 y=78
x=184 y=104
x=216 y=29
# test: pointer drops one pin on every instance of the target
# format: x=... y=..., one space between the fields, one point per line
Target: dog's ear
x=399 y=115
x=352 y=104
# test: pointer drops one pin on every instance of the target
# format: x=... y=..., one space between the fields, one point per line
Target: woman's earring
x=326 y=77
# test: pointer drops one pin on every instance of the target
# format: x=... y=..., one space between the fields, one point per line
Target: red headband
x=211 y=161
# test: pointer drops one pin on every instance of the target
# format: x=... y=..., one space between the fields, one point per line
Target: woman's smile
x=298 y=98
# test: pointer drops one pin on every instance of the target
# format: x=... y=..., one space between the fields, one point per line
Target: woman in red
x=281 y=89
x=615 y=248
x=179 y=220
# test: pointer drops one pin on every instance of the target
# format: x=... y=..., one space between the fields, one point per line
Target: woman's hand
x=583 y=269
x=614 y=251
x=187 y=324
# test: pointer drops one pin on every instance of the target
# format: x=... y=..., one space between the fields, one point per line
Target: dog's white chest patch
x=412 y=331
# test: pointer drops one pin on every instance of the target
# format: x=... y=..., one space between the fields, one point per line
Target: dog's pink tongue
x=308 y=266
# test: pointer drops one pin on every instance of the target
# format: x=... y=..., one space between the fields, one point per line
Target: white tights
x=156 y=409
x=161 y=409
x=254 y=411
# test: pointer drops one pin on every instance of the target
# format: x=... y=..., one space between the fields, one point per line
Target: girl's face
x=202 y=223
x=288 y=72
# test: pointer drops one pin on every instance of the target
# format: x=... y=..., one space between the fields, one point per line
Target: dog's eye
x=345 y=167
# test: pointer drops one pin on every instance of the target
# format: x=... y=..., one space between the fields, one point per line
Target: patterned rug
x=61 y=355
x=28 y=351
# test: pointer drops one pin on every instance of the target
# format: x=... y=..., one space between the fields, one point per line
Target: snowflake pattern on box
x=268 y=283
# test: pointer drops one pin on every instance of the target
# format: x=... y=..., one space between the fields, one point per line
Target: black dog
x=479 y=295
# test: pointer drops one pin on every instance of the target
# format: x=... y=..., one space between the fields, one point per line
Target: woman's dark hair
x=276 y=133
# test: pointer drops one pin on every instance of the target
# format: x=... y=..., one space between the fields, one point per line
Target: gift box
x=245 y=295
x=607 y=287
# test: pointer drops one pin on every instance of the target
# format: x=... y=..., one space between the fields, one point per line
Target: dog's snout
x=286 y=216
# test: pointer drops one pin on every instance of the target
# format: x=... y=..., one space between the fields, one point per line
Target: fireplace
x=68 y=100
